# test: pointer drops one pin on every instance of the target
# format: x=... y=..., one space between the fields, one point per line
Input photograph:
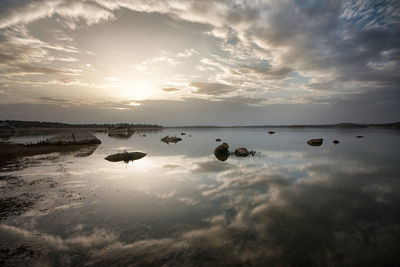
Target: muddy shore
x=10 y=151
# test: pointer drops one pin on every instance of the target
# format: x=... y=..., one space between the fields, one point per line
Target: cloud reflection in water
x=285 y=208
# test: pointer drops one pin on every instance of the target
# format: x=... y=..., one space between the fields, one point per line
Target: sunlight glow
x=133 y=90
x=136 y=91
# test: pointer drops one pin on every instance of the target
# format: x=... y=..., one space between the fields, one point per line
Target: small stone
x=241 y=152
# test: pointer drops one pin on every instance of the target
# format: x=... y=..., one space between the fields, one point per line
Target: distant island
x=10 y=125
x=16 y=125
x=395 y=125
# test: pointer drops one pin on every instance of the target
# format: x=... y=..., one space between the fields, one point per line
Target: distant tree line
x=46 y=124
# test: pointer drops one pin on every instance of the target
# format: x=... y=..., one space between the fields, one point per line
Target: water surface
x=289 y=205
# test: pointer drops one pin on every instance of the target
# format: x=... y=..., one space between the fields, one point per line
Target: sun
x=135 y=90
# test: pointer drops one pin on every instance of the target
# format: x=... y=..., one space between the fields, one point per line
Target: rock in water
x=271 y=132
x=241 y=152
x=360 y=136
x=335 y=142
x=120 y=135
x=217 y=140
x=73 y=138
x=168 y=139
x=315 y=142
x=125 y=157
x=221 y=152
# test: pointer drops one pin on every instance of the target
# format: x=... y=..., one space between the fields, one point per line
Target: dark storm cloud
x=211 y=88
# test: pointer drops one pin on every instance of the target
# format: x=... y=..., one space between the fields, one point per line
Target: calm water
x=290 y=205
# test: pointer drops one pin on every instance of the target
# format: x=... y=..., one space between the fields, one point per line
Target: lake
x=290 y=204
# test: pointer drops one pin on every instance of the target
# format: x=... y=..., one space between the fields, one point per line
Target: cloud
x=187 y=53
x=211 y=88
x=170 y=166
x=23 y=54
x=242 y=100
x=71 y=12
x=170 y=89
x=251 y=52
x=257 y=207
x=212 y=166
x=29 y=70
x=266 y=73
x=67 y=80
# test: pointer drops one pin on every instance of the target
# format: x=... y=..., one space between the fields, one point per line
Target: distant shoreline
x=395 y=125
x=12 y=125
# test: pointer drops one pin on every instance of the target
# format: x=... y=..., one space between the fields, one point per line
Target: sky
x=205 y=62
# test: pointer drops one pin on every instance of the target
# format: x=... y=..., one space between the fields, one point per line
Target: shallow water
x=289 y=205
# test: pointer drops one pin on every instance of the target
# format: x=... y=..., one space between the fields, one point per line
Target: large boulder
x=73 y=138
x=315 y=142
x=125 y=156
x=221 y=152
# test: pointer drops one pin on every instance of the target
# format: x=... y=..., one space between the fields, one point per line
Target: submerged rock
x=360 y=136
x=72 y=138
x=167 y=139
x=86 y=151
x=221 y=152
x=335 y=142
x=120 y=135
x=315 y=142
x=271 y=132
x=241 y=152
x=125 y=156
x=183 y=133
x=217 y=140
